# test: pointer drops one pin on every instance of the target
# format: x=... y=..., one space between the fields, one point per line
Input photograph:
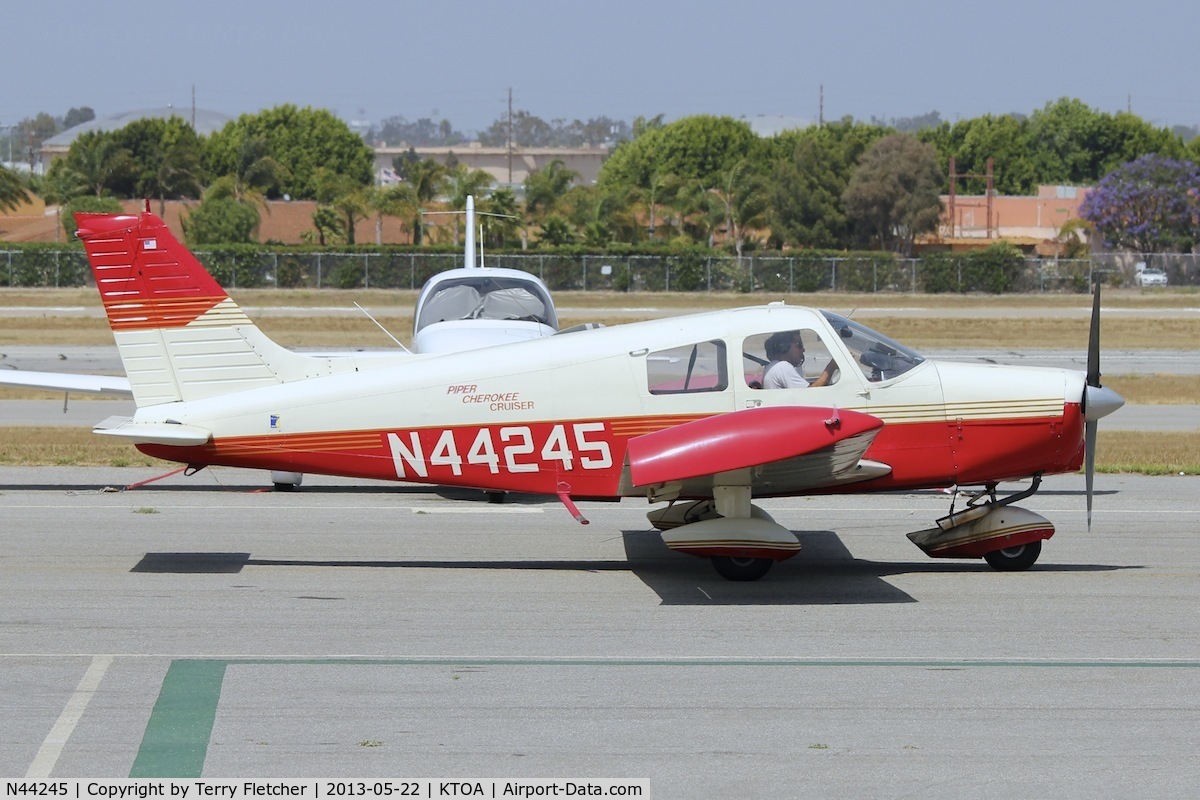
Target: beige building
x=507 y=167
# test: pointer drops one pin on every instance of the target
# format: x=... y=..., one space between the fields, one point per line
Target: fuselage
x=558 y=411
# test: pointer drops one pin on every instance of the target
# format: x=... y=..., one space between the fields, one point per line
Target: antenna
x=469 y=248
x=385 y=330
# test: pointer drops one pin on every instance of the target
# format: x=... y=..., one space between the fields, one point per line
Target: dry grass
x=1153 y=453
x=1150 y=453
x=380 y=298
x=922 y=333
x=1156 y=390
x=41 y=447
x=280 y=315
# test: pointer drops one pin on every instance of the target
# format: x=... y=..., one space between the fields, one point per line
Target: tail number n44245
x=508 y=448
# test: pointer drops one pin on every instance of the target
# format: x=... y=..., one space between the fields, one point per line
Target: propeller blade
x=1093 y=354
x=1089 y=443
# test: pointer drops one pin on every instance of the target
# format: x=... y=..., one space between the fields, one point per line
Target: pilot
x=785 y=350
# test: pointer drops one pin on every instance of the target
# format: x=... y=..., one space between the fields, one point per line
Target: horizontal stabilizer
x=169 y=433
x=742 y=439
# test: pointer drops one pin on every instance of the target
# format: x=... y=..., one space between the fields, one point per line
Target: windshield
x=488 y=297
x=879 y=357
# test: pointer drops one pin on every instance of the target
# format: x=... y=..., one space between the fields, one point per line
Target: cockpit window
x=487 y=297
x=879 y=357
x=699 y=367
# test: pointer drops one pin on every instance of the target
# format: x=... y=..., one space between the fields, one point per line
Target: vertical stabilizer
x=180 y=336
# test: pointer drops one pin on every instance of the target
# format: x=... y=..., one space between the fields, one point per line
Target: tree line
x=700 y=181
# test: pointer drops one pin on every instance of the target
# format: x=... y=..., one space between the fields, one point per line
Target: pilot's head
x=785 y=346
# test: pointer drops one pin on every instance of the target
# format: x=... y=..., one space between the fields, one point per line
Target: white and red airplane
x=668 y=410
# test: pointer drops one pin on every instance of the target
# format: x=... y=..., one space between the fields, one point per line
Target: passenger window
x=689 y=368
x=810 y=359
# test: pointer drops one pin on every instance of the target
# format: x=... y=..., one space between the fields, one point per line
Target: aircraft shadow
x=825 y=573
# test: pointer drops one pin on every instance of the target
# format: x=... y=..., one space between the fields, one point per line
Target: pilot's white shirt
x=782 y=375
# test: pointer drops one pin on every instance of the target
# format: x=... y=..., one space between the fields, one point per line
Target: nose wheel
x=732 y=568
x=1014 y=559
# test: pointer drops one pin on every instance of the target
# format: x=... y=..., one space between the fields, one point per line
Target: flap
x=739 y=440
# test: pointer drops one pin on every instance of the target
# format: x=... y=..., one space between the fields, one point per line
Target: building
x=508 y=167
x=1031 y=223
x=204 y=122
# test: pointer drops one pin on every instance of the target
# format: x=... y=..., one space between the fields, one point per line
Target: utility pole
x=990 y=192
x=193 y=106
x=510 y=137
x=821 y=109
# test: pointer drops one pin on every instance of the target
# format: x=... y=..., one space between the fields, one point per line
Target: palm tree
x=504 y=217
x=546 y=186
x=12 y=190
x=392 y=201
x=178 y=174
x=427 y=178
x=100 y=159
x=256 y=171
x=466 y=183
x=741 y=201
x=344 y=195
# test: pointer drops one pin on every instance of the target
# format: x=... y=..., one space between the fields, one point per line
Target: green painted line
x=721 y=662
x=180 y=726
x=177 y=735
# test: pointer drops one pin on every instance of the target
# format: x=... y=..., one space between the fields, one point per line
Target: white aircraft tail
x=180 y=336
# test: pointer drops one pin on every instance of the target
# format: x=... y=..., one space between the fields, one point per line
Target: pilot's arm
x=826 y=376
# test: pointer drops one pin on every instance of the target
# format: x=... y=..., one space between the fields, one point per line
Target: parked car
x=1151 y=277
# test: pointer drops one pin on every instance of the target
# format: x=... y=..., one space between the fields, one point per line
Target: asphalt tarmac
x=198 y=627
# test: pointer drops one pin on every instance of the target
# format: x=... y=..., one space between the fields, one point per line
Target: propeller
x=1098 y=401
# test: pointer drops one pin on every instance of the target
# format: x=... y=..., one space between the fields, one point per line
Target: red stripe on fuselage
x=921 y=455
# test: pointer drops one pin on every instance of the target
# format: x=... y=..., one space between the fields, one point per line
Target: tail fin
x=180 y=336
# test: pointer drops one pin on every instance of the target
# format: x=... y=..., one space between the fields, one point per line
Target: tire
x=285 y=487
x=1014 y=559
x=741 y=569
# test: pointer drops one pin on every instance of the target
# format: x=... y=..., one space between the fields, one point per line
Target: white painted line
x=276 y=509
x=51 y=749
x=440 y=510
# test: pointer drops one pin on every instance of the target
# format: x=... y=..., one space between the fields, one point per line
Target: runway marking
x=175 y=743
x=52 y=747
x=493 y=510
x=177 y=735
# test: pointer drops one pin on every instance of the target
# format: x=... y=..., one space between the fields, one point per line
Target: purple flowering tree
x=1151 y=205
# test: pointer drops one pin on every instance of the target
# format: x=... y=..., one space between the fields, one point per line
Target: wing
x=67 y=382
x=787 y=449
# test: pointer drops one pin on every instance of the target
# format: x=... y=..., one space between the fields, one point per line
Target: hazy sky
x=371 y=59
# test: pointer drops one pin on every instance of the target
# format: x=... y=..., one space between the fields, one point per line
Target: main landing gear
x=1007 y=537
x=742 y=546
x=286 y=481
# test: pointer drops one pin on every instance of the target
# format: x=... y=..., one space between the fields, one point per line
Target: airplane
x=668 y=410
x=478 y=306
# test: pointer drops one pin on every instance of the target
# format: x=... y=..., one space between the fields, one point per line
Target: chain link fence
x=687 y=272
